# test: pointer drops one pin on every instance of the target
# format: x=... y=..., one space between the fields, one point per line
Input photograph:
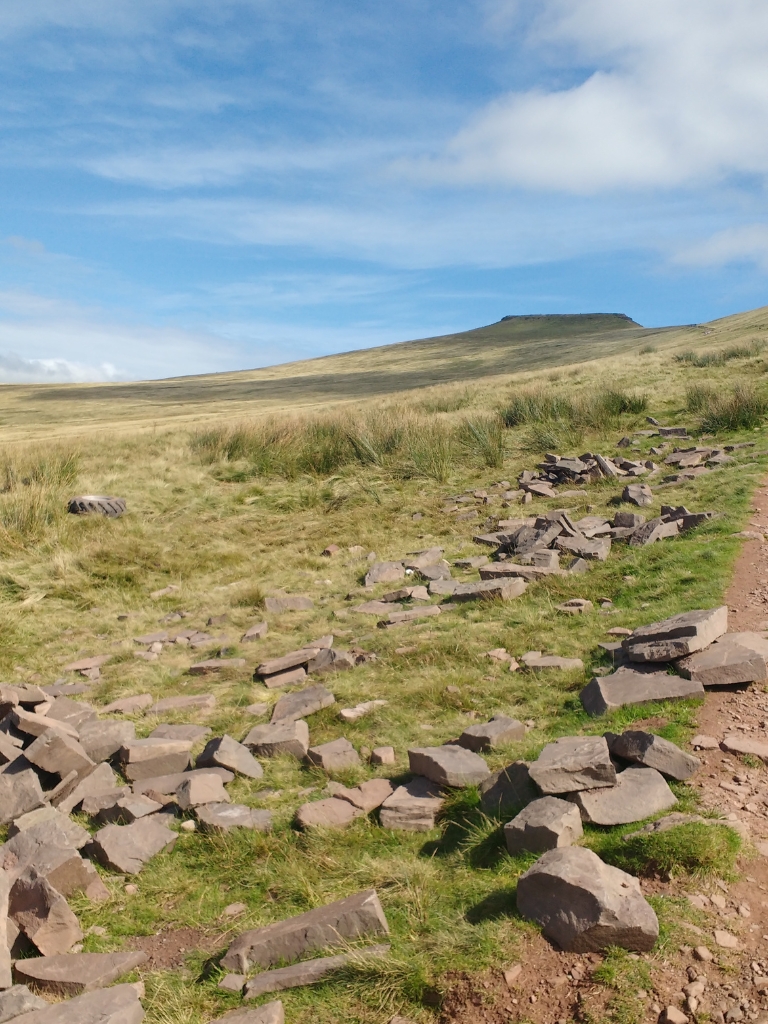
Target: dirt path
x=556 y=988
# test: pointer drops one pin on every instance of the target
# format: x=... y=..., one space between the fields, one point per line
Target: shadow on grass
x=501 y=903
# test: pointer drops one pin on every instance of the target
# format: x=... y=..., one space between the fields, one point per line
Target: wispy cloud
x=747 y=243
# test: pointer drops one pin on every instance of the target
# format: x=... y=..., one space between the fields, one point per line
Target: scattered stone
x=101 y=739
x=87 y=664
x=101 y=780
x=126 y=809
x=573 y=763
x=544 y=824
x=255 y=632
x=360 y=710
x=283 y=737
x=702 y=742
x=410 y=615
x=490 y=590
x=232 y=983
x=18 y=1000
x=294 y=706
x=726 y=940
x=383 y=755
x=43 y=914
x=330 y=813
x=288 y=603
x=384 y=572
x=75 y=973
x=373 y=608
x=291 y=677
x=193 y=702
x=703 y=954
x=142 y=759
x=595 y=549
x=167 y=731
x=269 y=1013
x=35 y=725
x=575 y=606
x=655 y=752
x=165 y=785
x=129 y=705
x=638 y=494
x=448 y=765
x=57 y=753
x=508 y=790
x=221 y=817
x=677 y=636
x=331 y=660
x=201 y=789
x=630 y=686
x=225 y=752
x=412 y=807
x=367 y=796
x=475 y=562
x=127 y=848
x=333 y=756
x=20 y=791
x=674 y=820
x=72 y=712
x=653 y=530
x=742 y=745
x=496 y=733
x=734 y=658
x=639 y=792
x=355 y=917
x=585 y=905
x=204 y=668
x=308 y=972
x=553 y=661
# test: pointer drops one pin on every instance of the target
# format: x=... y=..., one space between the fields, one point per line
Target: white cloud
x=747 y=243
x=678 y=93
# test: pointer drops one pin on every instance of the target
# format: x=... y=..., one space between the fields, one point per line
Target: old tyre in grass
x=97 y=504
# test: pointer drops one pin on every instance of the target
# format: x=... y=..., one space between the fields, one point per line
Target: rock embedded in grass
x=330 y=813
x=545 y=824
x=585 y=905
x=194 y=702
x=383 y=755
x=357 y=916
x=308 y=972
x=58 y=754
x=634 y=685
x=638 y=494
x=367 y=796
x=288 y=736
x=279 y=603
x=639 y=793
x=127 y=848
x=449 y=765
x=269 y=1013
x=508 y=789
x=384 y=572
x=655 y=752
x=222 y=817
x=201 y=789
x=167 y=731
x=489 y=590
x=412 y=807
x=129 y=705
x=334 y=756
x=499 y=731
x=210 y=665
x=226 y=752
x=294 y=706
x=573 y=763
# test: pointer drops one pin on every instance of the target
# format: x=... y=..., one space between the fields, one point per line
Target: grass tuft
x=693 y=849
x=743 y=409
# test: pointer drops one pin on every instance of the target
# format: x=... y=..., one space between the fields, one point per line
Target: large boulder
x=584 y=905
x=635 y=686
x=639 y=793
x=734 y=658
x=655 y=752
x=448 y=765
x=74 y=973
x=677 y=636
x=543 y=825
x=573 y=763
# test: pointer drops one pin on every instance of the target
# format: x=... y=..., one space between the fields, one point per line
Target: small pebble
x=188 y=826
x=131 y=889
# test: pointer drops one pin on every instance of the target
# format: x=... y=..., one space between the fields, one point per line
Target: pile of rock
x=578 y=471
x=695 y=646
x=315 y=658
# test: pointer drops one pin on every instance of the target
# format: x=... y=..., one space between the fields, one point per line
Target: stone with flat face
x=71 y=711
x=168 y=784
x=630 y=686
x=412 y=807
x=129 y=705
x=372 y=608
x=142 y=759
x=448 y=765
x=221 y=817
x=655 y=752
x=74 y=973
x=169 y=731
x=269 y=1013
x=127 y=848
x=255 y=632
x=573 y=763
x=308 y=972
x=734 y=658
x=677 y=636
x=593 y=549
x=282 y=737
x=101 y=780
x=653 y=530
x=118 y=1005
x=126 y=809
x=745 y=745
x=6 y=941
x=358 y=916
x=543 y=825
x=20 y=790
x=279 y=603
x=639 y=793
x=58 y=754
x=508 y=789
x=331 y=813
x=201 y=789
x=42 y=913
x=294 y=659
x=384 y=572
x=331 y=659
x=584 y=905
x=294 y=706
x=367 y=796
x=638 y=494
x=18 y=1000
x=334 y=755
x=193 y=702
x=226 y=752
x=101 y=739
x=490 y=590
x=496 y=733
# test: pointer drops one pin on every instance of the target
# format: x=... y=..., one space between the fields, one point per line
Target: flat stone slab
x=255 y=632
x=201 y=789
x=194 y=702
x=639 y=792
x=573 y=763
x=653 y=530
x=309 y=972
x=734 y=658
x=226 y=752
x=58 y=754
x=18 y=1000
x=293 y=659
x=144 y=758
x=544 y=824
x=490 y=590
x=282 y=737
x=210 y=665
x=126 y=809
x=638 y=494
x=585 y=905
x=279 y=603
x=101 y=739
x=127 y=848
x=330 y=813
x=42 y=913
x=412 y=807
x=297 y=705
x=221 y=817
x=677 y=636
x=170 y=731
x=334 y=755
x=129 y=705
x=448 y=765
x=738 y=744
x=358 y=916
x=554 y=661
x=268 y=1013
x=372 y=608
x=20 y=791
x=496 y=733
x=593 y=549
x=508 y=789
x=118 y=1005
x=367 y=796
x=167 y=784
x=629 y=686
x=384 y=572
x=70 y=974
x=655 y=752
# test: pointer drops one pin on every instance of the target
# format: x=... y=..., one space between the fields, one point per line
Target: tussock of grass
x=593 y=409
x=721 y=357
x=742 y=409
x=693 y=849
x=699 y=397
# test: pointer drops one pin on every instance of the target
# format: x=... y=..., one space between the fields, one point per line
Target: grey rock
x=628 y=520
x=279 y=603
x=655 y=752
x=653 y=530
x=309 y=972
x=225 y=752
x=734 y=658
x=58 y=754
x=448 y=765
x=101 y=780
x=372 y=608
x=193 y=702
x=638 y=494
x=330 y=813
x=101 y=739
x=508 y=789
x=358 y=916
x=124 y=810
x=421 y=559
x=544 y=824
x=294 y=706
x=334 y=755
x=294 y=659
x=384 y=572
x=129 y=705
x=255 y=632
x=594 y=549
x=573 y=763
x=269 y=1013
x=37 y=817
x=73 y=712
x=143 y=759
x=18 y=1000
x=20 y=791
x=201 y=789
x=585 y=905
x=221 y=817
x=442 y=588
x=439 y=571
x=639 y=792
x=118 y=1005
x=6 y=941
x=42 y=914
x=367 y=796
x=630 y=686
x=127 y=848
x=331 y=660
x=75 y=973
x=33 y=724
x=283 y=737
x=677 y=636
x=168 y=731
x=167 y=784
x=291 y=677
x=674 y=820
x=490 y=590
x=412 y=807
x=496 y=733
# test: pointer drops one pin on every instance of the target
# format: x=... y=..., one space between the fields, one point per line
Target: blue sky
x=200 y=185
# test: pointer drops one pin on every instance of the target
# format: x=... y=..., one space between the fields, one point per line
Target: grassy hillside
x=228 y=504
